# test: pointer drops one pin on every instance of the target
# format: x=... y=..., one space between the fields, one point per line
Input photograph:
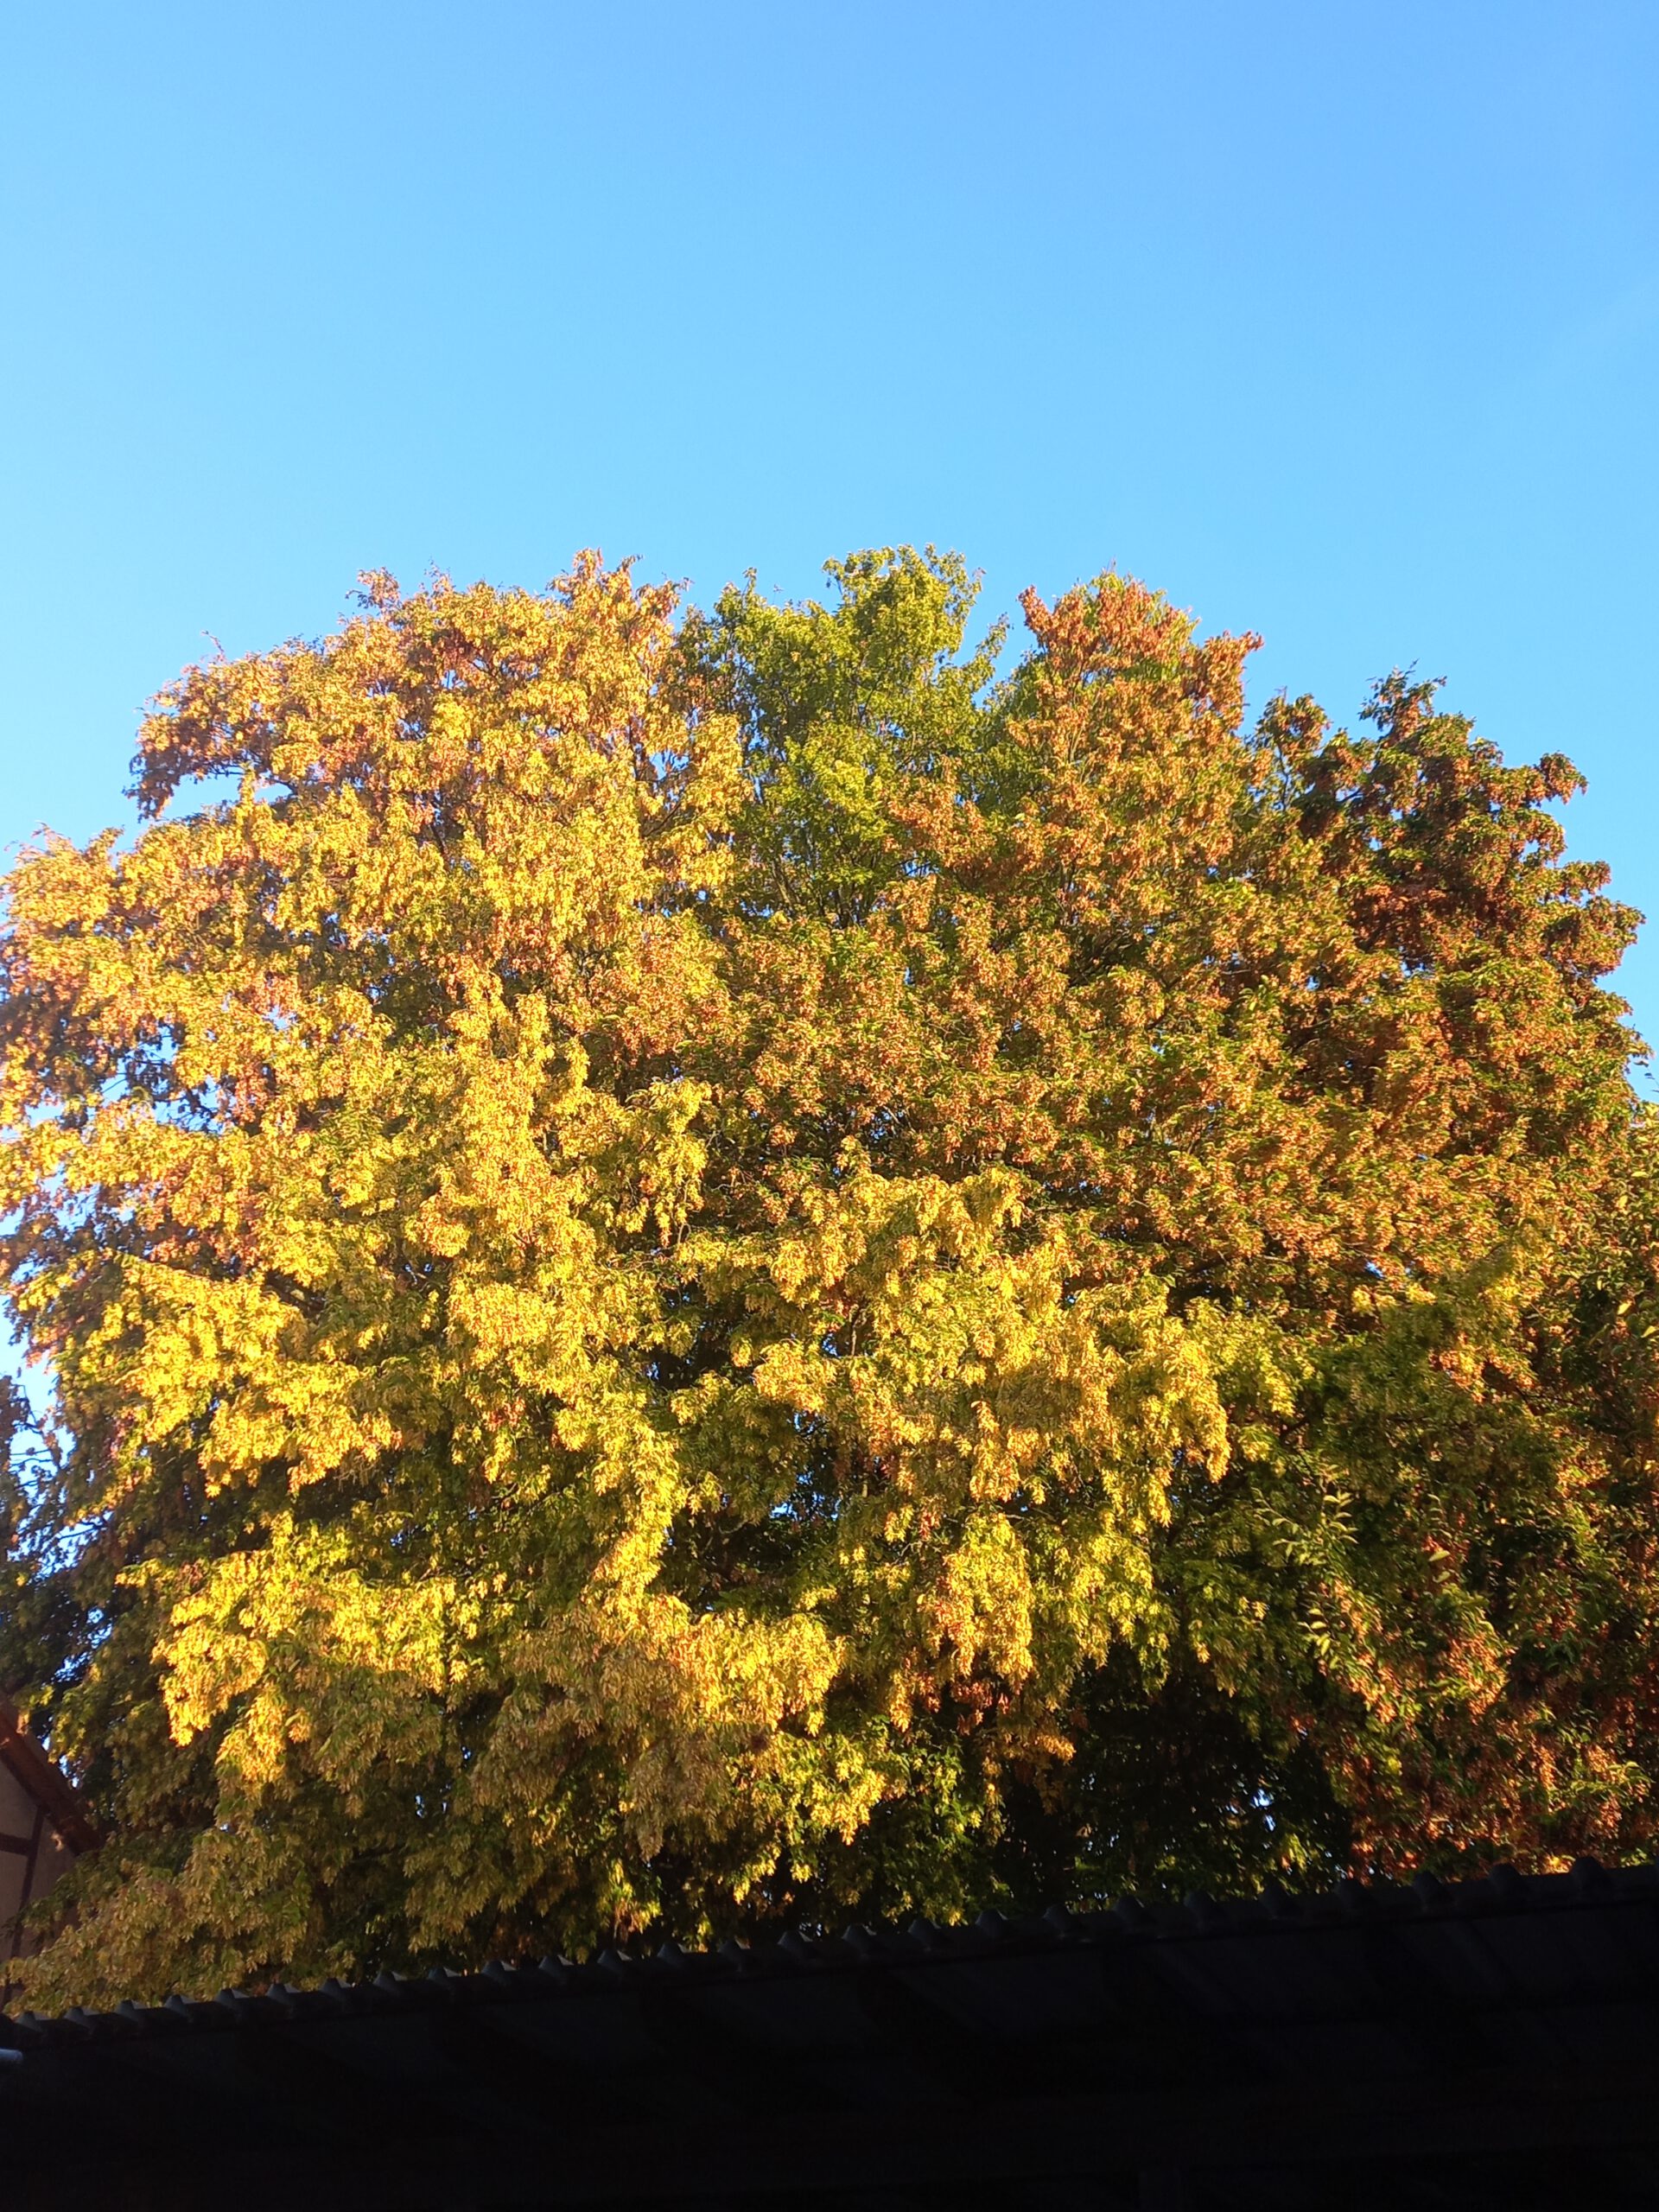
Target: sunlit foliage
x=712 y=1269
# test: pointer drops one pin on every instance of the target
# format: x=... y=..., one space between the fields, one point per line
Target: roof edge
x=45 y=1780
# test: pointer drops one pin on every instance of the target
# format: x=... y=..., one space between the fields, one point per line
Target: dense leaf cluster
x=711 y=1269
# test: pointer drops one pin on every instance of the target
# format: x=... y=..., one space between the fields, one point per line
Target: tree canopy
x=703 y=1270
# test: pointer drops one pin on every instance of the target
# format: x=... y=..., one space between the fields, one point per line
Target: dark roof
x=1490 y=2044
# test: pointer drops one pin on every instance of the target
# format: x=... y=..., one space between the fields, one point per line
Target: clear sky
x=1337 y=321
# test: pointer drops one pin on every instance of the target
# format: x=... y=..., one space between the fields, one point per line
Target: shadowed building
x=42 y=1831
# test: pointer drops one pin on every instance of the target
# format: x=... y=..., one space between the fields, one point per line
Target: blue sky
x=1336 y=322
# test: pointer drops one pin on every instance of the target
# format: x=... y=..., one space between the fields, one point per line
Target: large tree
x=708 y=1270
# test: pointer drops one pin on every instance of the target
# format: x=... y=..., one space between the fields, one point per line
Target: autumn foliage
x=711 y=1270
